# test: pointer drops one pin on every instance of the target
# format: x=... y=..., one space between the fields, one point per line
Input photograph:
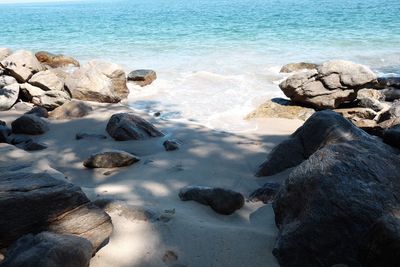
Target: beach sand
x=189 y=234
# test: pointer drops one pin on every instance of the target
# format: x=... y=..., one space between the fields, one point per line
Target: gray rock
x=292 y=67
x=80 y=136
x=266 y=193
x=26 y=143
x=55 y=61
x=125 y=126
x=388 y=82
x=7 y=80
x=392 y=113
x=222 y=201
x=39 y=111
x=370 y=98
x=71 y=110
x=98 y=81
x=391 y=93
x=391 y=136
x=4 y=52
x=47 y=81
x=49 y=250
x=142 y=77
x=110 y=159
x=28 y=92
x=171 y=145
x=5 y=132
x=8 y=96
x=29 y=124
x=51 y=99
x=21 y=65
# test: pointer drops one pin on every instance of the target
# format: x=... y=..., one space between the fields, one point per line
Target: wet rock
x=391 y=136
x=222 y=201
x=29 y=124
x=110 y=159
x=71 y=110
x=171 y=145
x=56 y=61
x=21 y=65
x=280 y=108
x=266 y=193
x=370 y=98
x=39 y=111
x=47 y=81
x=98 y=81
x=80 y=136
x=4 y=52
x=125 y=126
x=292 y=67
x=8 y=96
x=142 y=77
x=49 y=250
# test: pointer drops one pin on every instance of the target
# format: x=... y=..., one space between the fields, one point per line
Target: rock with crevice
x=21 y=65
x=110 y=159
x=56 y=60
x=142 y=77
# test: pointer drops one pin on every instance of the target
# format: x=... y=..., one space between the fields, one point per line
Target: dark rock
x=110 y=159
x=55 y=61
x=266 y=193
x=142 y=77
x=71 y=110
x=222 y=201
x=292 y=67
x=26 y=143
x=80 y=136
x=125 y=126
x=4 y=132
x=39 y=111
x=29 y=124
x=386 y=82
x=49 y=250
x=2 y=123
x=391 y=136
x=171 y=145
x=8 y=96
x=391 y=94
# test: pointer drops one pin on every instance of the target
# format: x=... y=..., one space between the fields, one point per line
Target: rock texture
x=29 y=124
x=280 y=108
x=56 y=61
x=21 y=65
x=8 y=96
x=49 y=250
x=370 y=98
x=333 y=83
x=71 y=110
x=110 y=159
x=266 y=193
x=47 y=80
x=125 y=126
x=98 y=81
x=222 y=201
x=142 y=77
x=293 y=67
x=171 y=145
x=51 y=99
x=391 y=136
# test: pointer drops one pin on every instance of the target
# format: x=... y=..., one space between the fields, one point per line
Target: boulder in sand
x=30 y=124
x=126 y=126
x=21 y=65
x=71 y=110
x=292 y=67
x=110 y=159
x=8 y=96
x=55 y=61
x=222 y=201
x=142 y=77
x=47 y=80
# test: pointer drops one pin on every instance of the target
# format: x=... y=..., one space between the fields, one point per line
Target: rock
x=71 y=110
x=23 y=106
x=5 y=132
x=26 y=143
x=21 y=65
x=80 y=136
x=322 y=128
x=28 y=92
x=171 y=145
x=142 y=77
x=2 y=123
x=7 y=80
x=125 y=126
x=51 y=99
x=357 y=114
x=29 y=124
x=266 y=193
x=391 y=136
x=39 y=111
x=391 y=94
x=55 y=61
x=332 y=84
x=8 y=96
x=292 y=67
x=329 y=203
x=388 y=82
x=370 y=98
x=222 y=201
x=98 y=81
x=49 y=250
x=110 y=159
x=169 y=257
x=47 y=81
x=392 y=113
x=280 y=108
x=4 y=52
x=48 y=204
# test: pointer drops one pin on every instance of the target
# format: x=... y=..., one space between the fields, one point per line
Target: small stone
x=30 y=124
x=142 y=77
x=110 y=159
x=169 y=257
x=171 y=145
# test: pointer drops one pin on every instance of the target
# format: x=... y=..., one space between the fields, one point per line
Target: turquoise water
x=227 y=52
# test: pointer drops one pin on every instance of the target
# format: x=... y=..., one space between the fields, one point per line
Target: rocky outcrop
x=142 y=77
x=48 y=250
x=98 y=81
x=71 y=110
x=280 y=108
x=293 y=67
x=222 y=201
x=29 y=124
x=110 y=159
x=333 y=83
x=344 y=181
x=125 y=126
x=47 y=81
x=21 y=65
x=8 y=96
x=55 y=61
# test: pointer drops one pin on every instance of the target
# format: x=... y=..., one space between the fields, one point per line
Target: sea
x=216 y=60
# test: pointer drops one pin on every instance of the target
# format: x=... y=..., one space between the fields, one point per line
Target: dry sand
x=190 y=234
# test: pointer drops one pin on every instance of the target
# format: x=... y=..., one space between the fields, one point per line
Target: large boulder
x=110 y=159
x=8 y=96
x=4 y=52
x=327 y=208
x=49 y=250
x=330 y=85
x=29 y=124
x=21 y=65
x=280 y=108
x=55 y=61
x=98 y=81
x=47 y=80
x=125 y=126
x=142 y=77
x=70 y=110
x=293 y=67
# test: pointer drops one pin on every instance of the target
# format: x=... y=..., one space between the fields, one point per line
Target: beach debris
x=293 y=67
x=55 y=61
x=266 y=193
x=222 y=201
x=142 y=77
x=171 y=145
x=70 y=110
x=110 y=159
x=127 y=126
x=30 y=124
